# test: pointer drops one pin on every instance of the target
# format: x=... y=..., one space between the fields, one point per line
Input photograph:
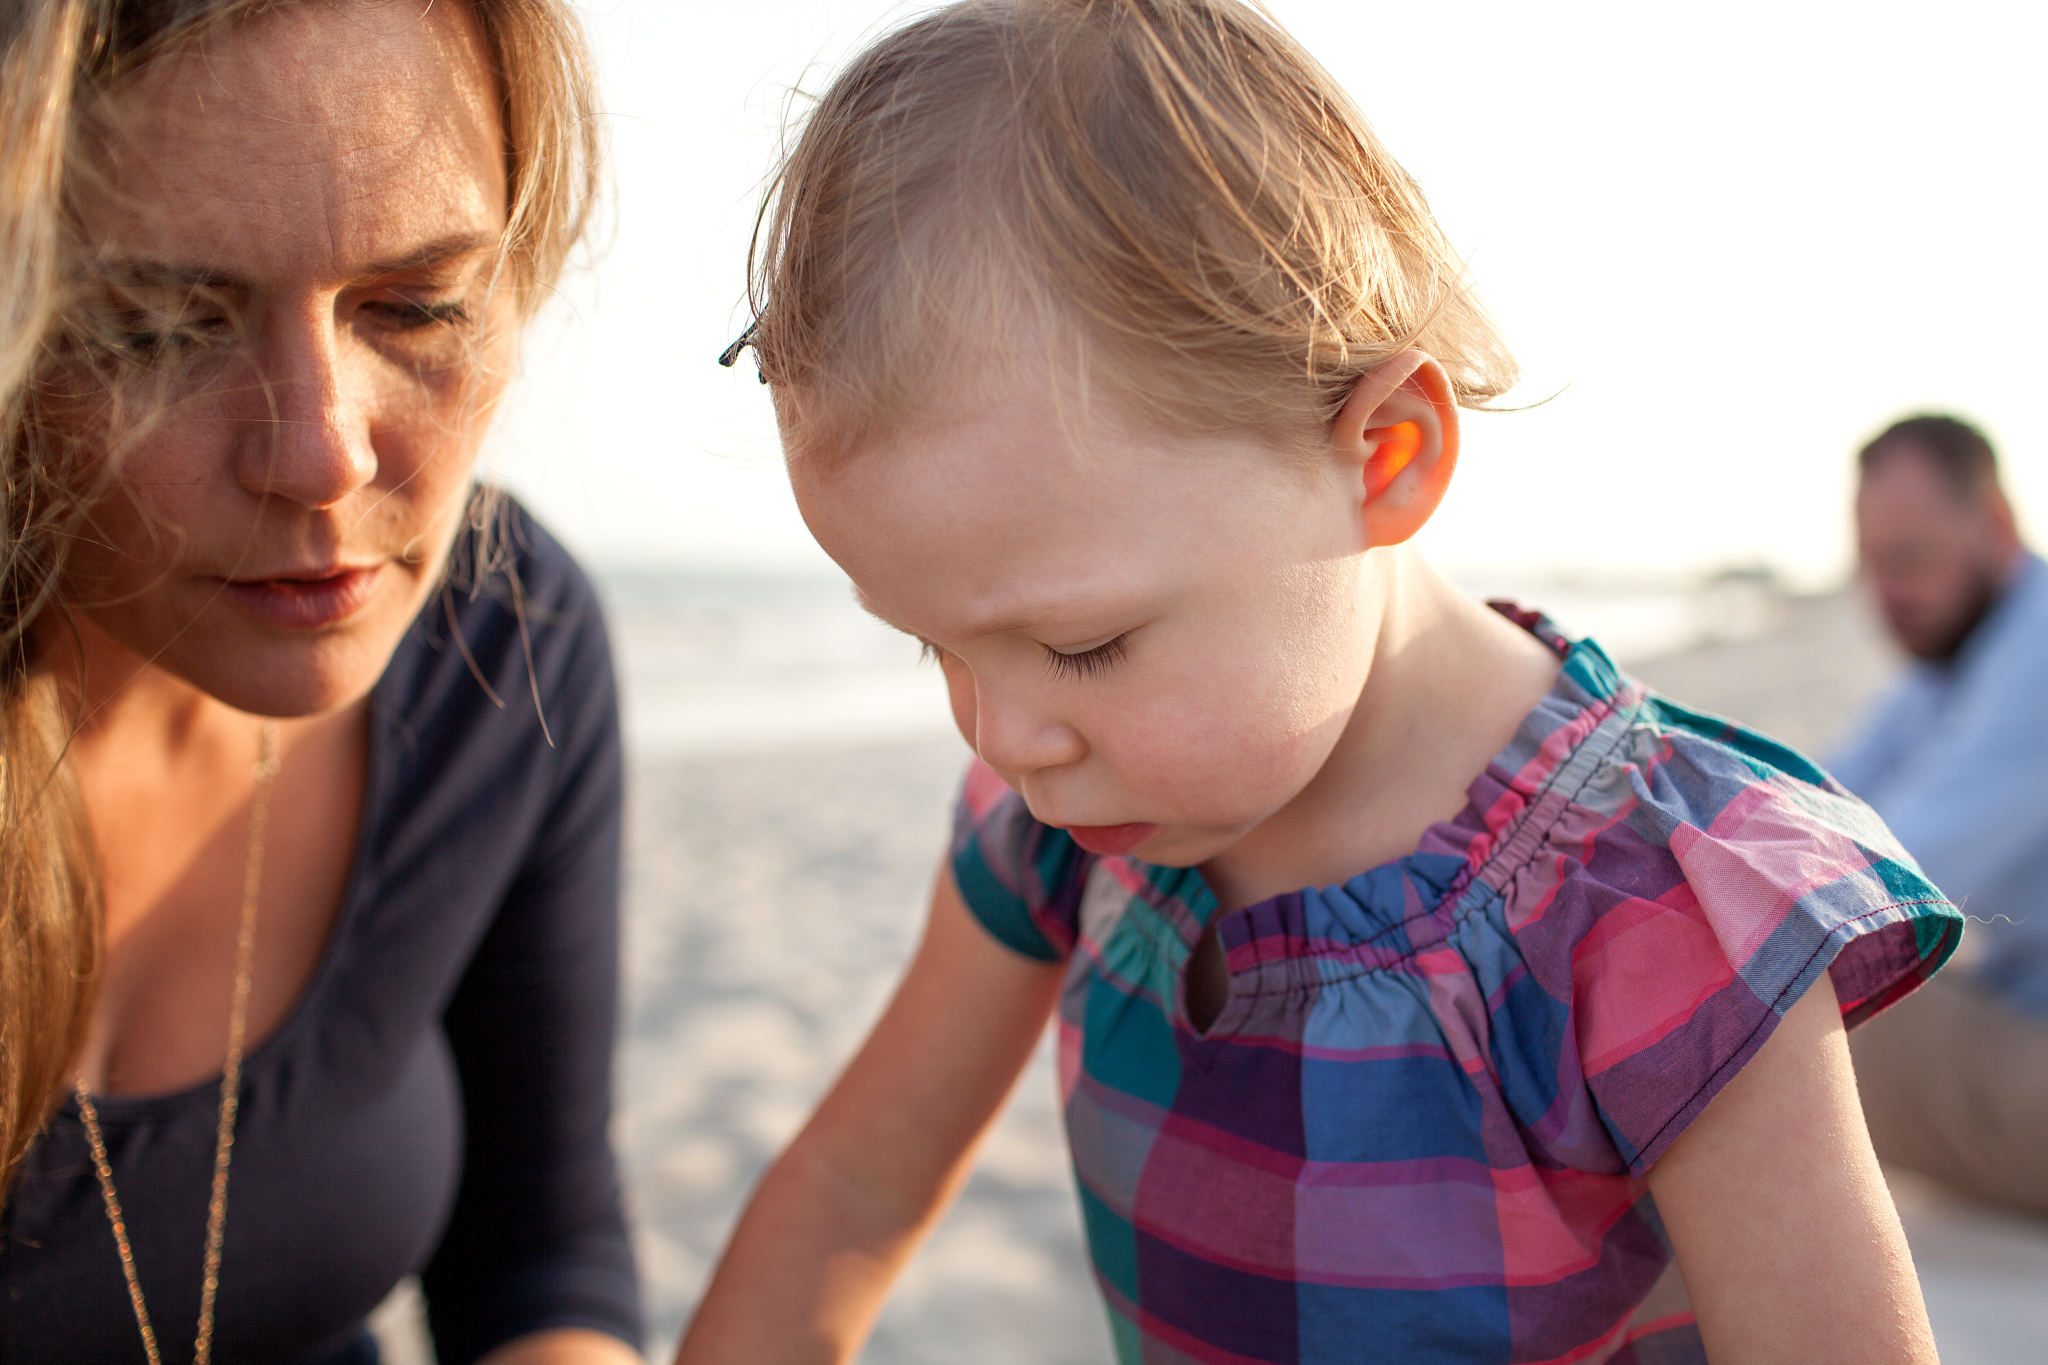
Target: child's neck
x=1450 y=682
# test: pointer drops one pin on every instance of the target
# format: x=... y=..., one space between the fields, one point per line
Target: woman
x=341 y=728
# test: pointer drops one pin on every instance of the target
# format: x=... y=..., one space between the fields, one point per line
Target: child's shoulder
x=1615 y=822
x=1603 y=755
x=1634 y=894
x=1616 y=810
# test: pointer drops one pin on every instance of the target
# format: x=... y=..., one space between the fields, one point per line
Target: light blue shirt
x=1955 y=758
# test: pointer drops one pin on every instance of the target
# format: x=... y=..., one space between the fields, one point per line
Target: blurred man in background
x=1955 y=757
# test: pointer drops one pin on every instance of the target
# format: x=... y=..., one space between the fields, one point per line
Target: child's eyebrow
x=1029 y=617
x=1083 y=603
x=860 y=599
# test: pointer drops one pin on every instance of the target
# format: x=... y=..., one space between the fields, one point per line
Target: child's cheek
x=1206 y=758
x=960 y=695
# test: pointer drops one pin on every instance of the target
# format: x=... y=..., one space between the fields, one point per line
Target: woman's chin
x=286 y=674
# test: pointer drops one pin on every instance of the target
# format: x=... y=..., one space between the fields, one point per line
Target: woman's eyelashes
x=1092 y=662
x=153 y=325
x=410 y=315
x=153 y=332
x=146 y=340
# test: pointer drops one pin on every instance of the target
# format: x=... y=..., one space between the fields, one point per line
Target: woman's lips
x=305 y=603
x=1111 y=840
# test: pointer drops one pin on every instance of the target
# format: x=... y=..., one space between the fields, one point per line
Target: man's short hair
x=1958 y=452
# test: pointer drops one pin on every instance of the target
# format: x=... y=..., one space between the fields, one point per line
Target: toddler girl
x=1427 y=989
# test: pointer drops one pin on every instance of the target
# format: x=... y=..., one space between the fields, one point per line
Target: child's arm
x=1789 y=1242
x=842 y=1209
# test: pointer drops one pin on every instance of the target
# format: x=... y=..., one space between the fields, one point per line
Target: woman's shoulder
x=513 y=624
x=506 y=572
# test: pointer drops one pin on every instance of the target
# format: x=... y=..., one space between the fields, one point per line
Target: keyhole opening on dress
x=1208 y=980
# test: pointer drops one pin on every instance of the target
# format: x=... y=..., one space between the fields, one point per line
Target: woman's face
x=296 y=225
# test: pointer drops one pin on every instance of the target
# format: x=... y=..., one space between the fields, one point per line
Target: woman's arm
x=841 y=1211
x=565 y=1346
x=1788 y=1240
x=536 y=1243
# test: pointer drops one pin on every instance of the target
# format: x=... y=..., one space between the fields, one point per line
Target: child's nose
x=1017 y=738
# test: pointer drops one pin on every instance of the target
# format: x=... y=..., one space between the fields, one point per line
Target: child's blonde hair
x=1176 y=184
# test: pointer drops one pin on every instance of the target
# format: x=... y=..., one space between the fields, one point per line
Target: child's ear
x=1396 y=439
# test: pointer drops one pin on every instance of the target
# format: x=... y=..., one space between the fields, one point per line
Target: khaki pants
x=1955 y=1086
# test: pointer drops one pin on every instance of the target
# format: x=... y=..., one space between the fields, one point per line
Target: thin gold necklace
x=230 y=1090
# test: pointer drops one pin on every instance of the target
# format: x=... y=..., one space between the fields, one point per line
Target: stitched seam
x=1515 y=828
x=1772 y=1017
x=1313 y=974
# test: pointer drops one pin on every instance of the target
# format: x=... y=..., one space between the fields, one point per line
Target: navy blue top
x=437 y=1100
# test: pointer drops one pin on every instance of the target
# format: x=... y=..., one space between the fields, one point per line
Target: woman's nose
x=308 y=439
x=1018 y=738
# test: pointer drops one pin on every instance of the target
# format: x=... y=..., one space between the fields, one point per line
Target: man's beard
x=1941 y=647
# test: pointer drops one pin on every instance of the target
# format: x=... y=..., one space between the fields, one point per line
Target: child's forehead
x=1085 y=591
x=1050 y=392
x=1031 y=449
x=1008 y=514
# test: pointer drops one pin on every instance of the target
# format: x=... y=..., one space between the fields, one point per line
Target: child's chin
x=1114 y=841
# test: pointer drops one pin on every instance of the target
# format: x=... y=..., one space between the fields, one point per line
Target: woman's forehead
x=326 y=137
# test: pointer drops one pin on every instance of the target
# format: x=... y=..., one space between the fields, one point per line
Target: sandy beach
x=773 y=901
x=774 y=894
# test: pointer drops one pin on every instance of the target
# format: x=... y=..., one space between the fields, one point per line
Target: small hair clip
x=730 y=355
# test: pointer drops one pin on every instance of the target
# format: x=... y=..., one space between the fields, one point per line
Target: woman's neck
x=1449 y=683
x=127 y=708
x=167 y=774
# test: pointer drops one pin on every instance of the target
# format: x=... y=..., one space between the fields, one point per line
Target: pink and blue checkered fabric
x=1419 y=1130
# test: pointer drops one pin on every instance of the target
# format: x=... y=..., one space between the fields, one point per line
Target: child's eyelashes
x=1061 y=663
x=1086 y=663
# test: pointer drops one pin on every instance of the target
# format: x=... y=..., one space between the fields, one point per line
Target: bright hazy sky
x=1739 y=238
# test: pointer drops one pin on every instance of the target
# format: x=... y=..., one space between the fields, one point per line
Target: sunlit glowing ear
x=1397 y=435
x=1398 y=446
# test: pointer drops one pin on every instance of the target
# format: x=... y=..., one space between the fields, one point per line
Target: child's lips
x=1111 y=840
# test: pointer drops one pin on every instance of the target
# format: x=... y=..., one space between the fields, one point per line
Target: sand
x=773 y=898
x=772 y=902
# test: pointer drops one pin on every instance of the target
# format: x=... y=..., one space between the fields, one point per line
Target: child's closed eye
x=1086 y=663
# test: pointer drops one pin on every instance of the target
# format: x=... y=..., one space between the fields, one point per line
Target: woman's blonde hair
x=58 y=60
x=49 y=925
x=1175 y=184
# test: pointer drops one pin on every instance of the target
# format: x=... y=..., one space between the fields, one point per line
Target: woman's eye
x=153 y=339
x=411 y=315
x=1086 y=663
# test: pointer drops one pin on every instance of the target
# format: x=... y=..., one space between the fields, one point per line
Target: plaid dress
x=1419 y=1129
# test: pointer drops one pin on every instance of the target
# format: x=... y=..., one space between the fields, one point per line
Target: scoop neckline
x=116 y=1109
x=1537 y=624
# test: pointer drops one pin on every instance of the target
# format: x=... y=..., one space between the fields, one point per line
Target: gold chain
x=230 y=1091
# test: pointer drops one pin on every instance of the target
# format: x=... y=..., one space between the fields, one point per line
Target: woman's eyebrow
x=135 y=272
x=436 y=252
x=142 y=272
